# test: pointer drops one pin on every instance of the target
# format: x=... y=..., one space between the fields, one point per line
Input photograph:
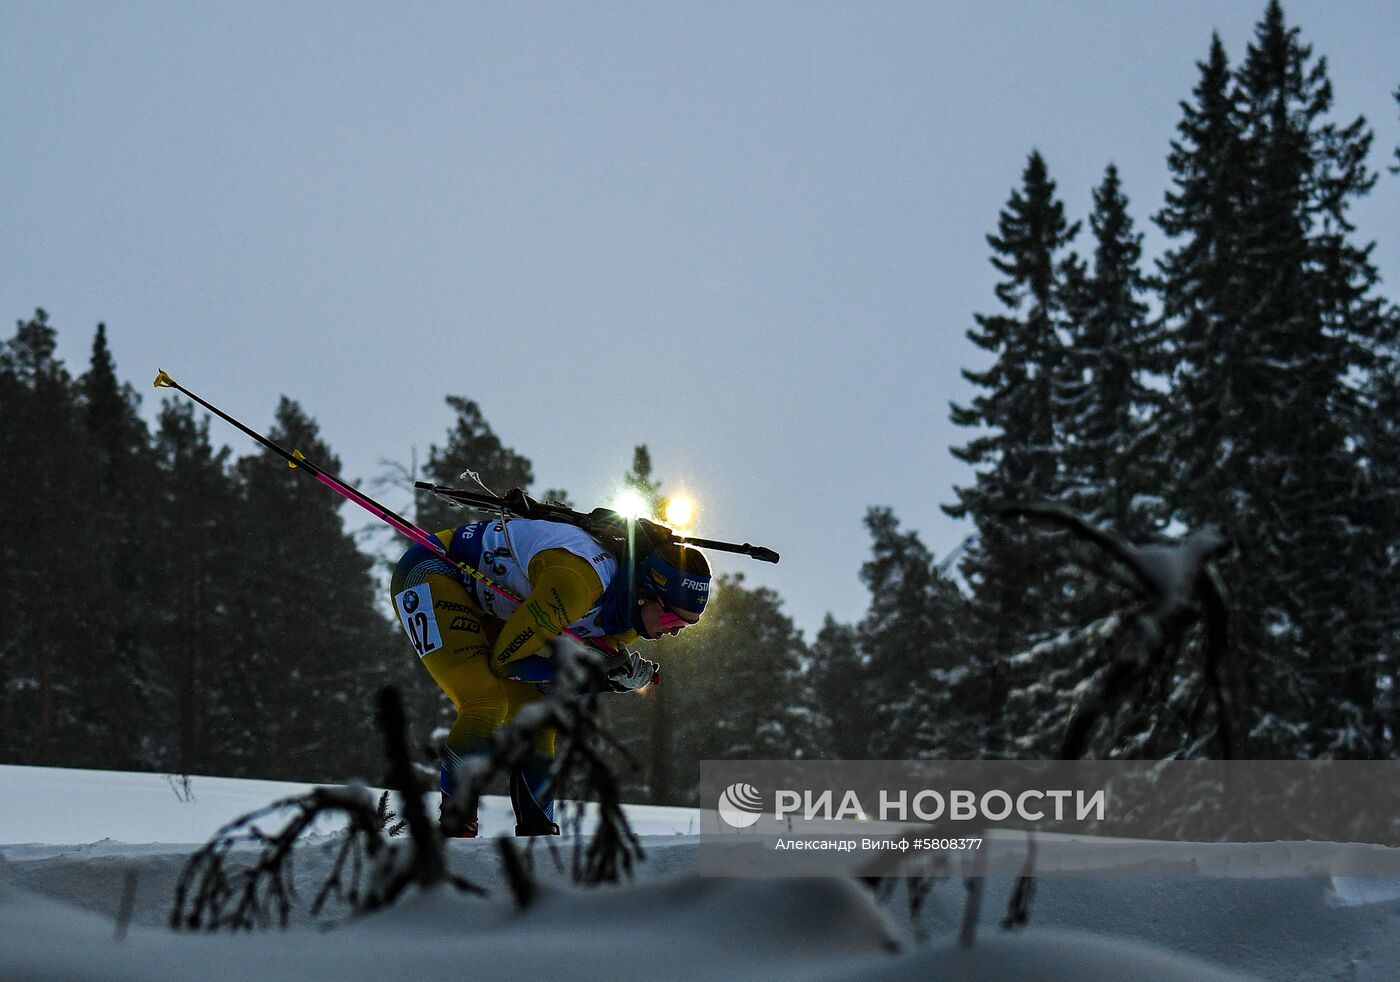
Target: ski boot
x=452 y=824
x=530 y=818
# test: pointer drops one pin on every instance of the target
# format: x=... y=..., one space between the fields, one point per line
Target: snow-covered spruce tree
x=919 y=696
x=471 y=446
x=1374 y=603
x=1110 y=463
x=1143 y=680
x=1272 y=313
x=1201 y=279
x=1204 y=299
x=1105 y=407
x=1016 y=600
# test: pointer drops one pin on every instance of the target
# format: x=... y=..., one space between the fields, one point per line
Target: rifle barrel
x=482 y=500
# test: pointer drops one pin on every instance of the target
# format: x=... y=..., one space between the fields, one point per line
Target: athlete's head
x=673 y=586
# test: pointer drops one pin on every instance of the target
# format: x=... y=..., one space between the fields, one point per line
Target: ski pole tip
x=163 y=381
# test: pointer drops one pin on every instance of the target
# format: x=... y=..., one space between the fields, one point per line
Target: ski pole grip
x=613 y=662
x=763 y=554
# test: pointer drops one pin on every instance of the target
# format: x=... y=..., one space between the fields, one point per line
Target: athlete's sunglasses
x=669 y=618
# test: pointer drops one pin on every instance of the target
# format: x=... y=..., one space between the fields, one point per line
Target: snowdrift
x=677 y=928
x=59 y=900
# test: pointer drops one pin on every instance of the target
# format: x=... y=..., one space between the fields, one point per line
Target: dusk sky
x=748 y=235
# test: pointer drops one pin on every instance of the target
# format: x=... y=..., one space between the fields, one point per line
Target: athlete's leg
x=453 y=638
x=532 y=799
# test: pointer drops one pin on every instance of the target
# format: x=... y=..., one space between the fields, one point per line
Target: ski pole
x=296 y=460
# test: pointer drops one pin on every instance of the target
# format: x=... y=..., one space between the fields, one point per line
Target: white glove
x=636 y=673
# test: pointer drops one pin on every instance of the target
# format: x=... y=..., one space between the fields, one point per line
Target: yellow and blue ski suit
x=484 y=655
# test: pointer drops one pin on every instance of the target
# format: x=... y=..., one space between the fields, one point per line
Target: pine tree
x=314 y=637
x=471 y=446
x=218 y=622
x=118 y=545
x=44 y=449
x=842 y=694
x=639 y=479
x=195 y=684
x=736 y=682
x=1015 y=599
x=732 y=687
x=914 y=649
x=662 y=777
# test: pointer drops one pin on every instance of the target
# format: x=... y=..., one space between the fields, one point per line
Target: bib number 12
x=415 y=609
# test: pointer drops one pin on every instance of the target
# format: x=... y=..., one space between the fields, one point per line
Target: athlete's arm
x=565 y=587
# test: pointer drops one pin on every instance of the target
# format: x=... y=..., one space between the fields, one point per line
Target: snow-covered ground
x=69 y=840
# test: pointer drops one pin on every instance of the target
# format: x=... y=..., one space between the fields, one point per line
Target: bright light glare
x=630 y=504
x=680 y=511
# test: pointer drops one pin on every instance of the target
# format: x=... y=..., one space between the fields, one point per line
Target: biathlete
x=484 y=651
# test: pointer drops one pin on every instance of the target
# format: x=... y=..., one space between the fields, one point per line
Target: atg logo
x=740 y=805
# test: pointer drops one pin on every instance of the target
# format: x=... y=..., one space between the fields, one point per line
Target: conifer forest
x=177 y=600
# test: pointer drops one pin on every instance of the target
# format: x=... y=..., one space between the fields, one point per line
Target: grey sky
x=750 y=235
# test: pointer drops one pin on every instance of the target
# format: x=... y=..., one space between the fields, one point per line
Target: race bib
x=415 y=608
